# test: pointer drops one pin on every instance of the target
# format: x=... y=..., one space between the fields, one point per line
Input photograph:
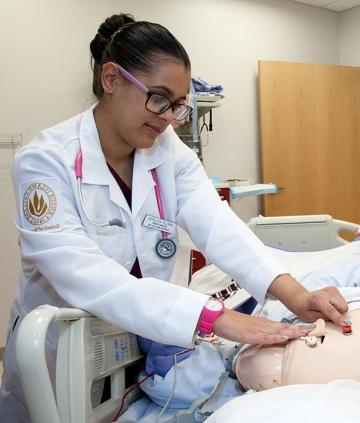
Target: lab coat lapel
x=143 y=184
x=95 y=169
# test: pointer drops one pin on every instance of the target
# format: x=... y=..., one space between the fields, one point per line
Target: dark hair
x=133 y=45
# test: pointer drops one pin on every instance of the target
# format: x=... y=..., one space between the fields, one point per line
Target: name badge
x=162 y=225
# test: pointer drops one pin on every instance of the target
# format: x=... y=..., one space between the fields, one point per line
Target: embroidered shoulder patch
x=41 y=205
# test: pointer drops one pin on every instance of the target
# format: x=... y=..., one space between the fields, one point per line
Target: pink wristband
x=211 y=311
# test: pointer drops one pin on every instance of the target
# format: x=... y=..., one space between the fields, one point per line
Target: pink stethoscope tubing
x=158 y=199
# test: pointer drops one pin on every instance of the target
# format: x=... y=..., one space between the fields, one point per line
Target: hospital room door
x=310 y=138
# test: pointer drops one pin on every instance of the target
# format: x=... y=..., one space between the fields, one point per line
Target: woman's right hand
x=246 y=329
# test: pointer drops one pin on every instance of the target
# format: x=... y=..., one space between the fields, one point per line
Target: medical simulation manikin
x=326 y=354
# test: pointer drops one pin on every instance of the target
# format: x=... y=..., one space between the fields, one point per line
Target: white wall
x=45 y=74
x=9 y=251
x=349 y=37
x=249 y=31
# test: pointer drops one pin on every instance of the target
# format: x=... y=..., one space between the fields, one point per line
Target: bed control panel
x=95 y=359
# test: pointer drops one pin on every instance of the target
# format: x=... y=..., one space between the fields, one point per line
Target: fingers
x=340 y=304
x=294 y=331
x=284 y=334
x=268 y=339
x=336 y=299
x=331 y=313
x=240 y=327
x=329 y=303
x=276 y=333
x=264 y=331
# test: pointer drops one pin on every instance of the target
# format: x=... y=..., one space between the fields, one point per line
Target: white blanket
x=211 y=280
x=334 y=402
x=302 y=263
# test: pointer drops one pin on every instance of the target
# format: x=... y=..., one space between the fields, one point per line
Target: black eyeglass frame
x=186 y=109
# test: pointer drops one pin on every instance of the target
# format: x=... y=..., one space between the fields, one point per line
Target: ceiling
x=337 y=5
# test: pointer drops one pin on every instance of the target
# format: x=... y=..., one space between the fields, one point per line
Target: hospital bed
x=302 y=233
x=97 y=362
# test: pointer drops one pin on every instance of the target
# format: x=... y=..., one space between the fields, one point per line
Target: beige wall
x=45 y=74
x=9 y=255
x=349 y=37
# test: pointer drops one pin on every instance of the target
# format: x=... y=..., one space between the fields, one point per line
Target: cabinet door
x=310 y=138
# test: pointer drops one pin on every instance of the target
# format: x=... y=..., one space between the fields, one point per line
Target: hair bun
x=106 y=31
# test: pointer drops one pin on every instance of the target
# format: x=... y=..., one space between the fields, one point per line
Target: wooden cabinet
x=310 y=139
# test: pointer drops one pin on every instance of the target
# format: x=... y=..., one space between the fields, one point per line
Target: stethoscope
x=164 y=248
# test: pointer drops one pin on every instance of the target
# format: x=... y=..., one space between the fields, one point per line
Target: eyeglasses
x=156 y=103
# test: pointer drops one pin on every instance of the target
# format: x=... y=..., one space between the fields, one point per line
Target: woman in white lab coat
x=89 y=223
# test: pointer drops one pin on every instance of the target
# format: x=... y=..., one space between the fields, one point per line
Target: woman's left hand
x=326 y=303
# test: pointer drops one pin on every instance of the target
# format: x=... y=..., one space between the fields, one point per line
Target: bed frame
x=302 y=233
x=96 y=361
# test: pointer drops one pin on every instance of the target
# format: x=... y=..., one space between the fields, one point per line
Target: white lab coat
x=74 y=263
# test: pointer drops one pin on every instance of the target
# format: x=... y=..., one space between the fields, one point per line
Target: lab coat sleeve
x=84 y=277
x=219 y=233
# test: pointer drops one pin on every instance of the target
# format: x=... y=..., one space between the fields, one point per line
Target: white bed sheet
x=301 y=263
x=334 y=402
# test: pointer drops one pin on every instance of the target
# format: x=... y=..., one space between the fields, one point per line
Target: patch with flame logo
x=39 y=204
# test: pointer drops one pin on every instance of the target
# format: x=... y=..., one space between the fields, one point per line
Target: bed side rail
x=302 y=232
x=31 y=360
x=341 y=226
x=96 y=363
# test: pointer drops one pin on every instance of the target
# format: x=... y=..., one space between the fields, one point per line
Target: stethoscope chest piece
x=165 y=248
